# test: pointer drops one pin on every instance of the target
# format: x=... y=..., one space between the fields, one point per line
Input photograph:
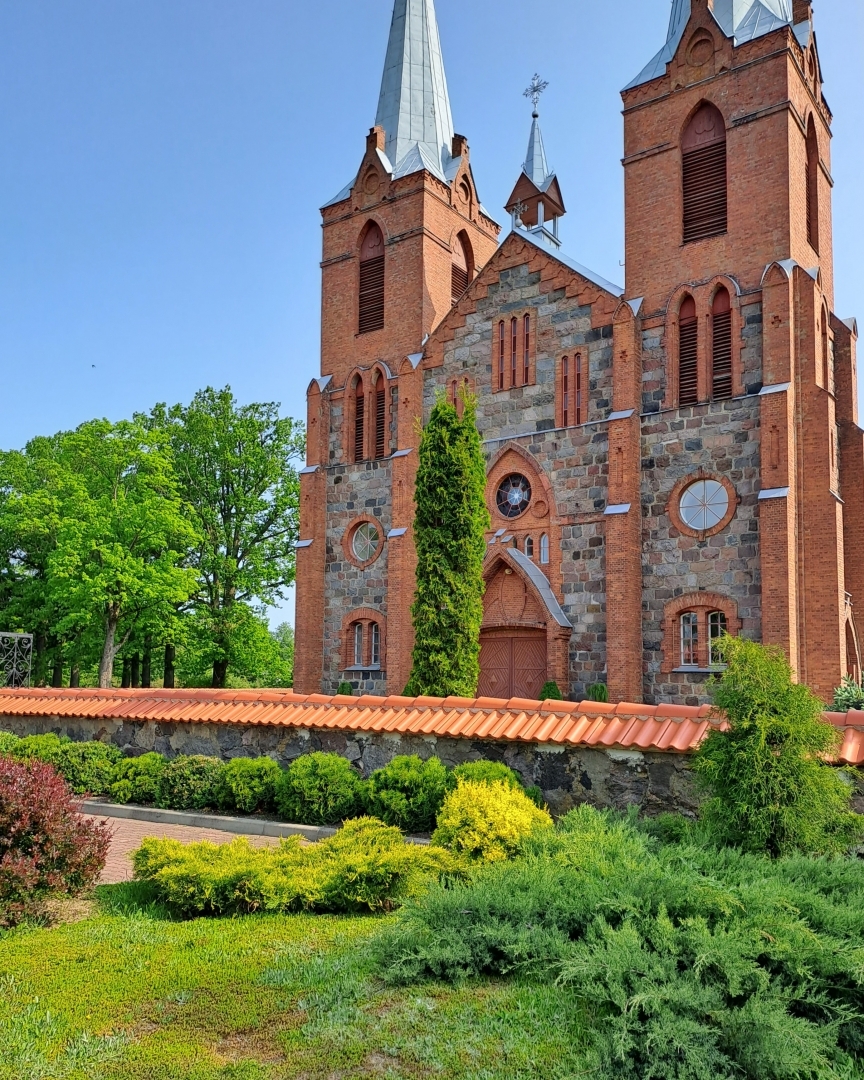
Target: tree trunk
x=168 y=679
x=57 y=674
x=39 y=667
x=147 y=662
x=136 y=670
x=220 y=674
x=75 y=677
x=126 y=680
x=106 y=663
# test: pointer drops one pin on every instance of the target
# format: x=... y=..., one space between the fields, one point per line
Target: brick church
x=666 y=461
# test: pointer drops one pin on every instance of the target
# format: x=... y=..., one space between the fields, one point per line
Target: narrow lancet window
x=721 y=346
x=688 y=353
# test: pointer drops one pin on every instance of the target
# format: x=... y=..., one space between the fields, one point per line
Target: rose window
x=514 y=495
x=703 y=505
x=365 y=542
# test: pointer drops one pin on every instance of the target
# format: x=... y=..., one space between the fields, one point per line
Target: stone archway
x=525 y=636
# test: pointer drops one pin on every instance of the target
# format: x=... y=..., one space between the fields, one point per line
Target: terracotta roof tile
x=625 y=726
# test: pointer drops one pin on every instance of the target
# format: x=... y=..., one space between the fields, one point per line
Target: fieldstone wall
x=567 y=776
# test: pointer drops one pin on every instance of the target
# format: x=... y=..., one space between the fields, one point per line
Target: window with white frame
x=529 y=546
x=376 y=644
x=544 y=549
x=358 y=644
x=690 y=639
x=716 y=630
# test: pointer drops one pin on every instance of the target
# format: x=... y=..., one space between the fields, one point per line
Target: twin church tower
x=666 y=461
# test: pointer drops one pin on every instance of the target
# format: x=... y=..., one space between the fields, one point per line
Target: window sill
x=699 y=670
x=364 y=667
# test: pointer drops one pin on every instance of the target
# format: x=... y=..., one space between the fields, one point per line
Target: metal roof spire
x=414 y=106
x=742 y=20
x=536 y=167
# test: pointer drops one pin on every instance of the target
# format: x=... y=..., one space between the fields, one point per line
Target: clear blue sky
x=163 y=162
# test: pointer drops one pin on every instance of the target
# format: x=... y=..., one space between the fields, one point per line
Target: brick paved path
x=128 y=835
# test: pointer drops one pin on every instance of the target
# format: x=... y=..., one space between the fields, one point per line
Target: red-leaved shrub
x=45 y=844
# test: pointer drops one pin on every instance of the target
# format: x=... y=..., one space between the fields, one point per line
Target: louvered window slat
x=380 y=421
x=705 y=192
x=372 y=295
x=722 y=355
x=459 y=282
x=359 y=415
x=688 y=363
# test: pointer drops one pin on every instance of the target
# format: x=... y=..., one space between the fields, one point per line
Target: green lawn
x=128 y=993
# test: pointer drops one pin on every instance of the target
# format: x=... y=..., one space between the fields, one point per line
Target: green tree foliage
x=770 y=788
x=449 y=533
x=101 y=533
x=235 y=468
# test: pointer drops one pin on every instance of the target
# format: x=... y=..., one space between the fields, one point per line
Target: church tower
x=401 y=242
x=728 y=184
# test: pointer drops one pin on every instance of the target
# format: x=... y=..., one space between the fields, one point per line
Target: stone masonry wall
x=567 y=776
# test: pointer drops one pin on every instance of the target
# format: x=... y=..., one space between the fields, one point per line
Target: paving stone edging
x=218 y=822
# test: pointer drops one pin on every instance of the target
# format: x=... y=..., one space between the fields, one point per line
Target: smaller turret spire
x=536 y=199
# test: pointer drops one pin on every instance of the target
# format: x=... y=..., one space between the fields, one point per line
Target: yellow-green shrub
x=366 y=866
x=488 y=821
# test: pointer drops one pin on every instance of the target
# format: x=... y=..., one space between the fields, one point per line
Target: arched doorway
x=524 y=639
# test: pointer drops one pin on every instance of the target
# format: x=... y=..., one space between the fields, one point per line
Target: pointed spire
x=536 y=167
x=742 y=20
x=414 y=106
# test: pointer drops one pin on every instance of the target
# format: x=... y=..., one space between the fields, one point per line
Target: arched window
x=529 y=547
x=544 y=549
x=716 y=629
x=688 y=353
x=501 y=339
x=721 y=347
x=704 y=183
x=371 y=307
x=461 y=267
x=375 y=652
x=514 y=345
x=827 y=373
x=812 y=168
x=380 y=417
x=359 y=421
x=690 y=639
x=526 y=350
x=565 y=392
x=358 y=644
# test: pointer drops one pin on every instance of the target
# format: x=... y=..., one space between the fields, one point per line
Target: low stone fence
x=567 y=775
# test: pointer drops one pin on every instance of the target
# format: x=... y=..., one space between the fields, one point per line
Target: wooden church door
x=512 y=663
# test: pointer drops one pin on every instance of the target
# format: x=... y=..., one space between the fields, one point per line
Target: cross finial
x=535 y=89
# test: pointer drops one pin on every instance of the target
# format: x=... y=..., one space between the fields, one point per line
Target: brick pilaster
x=624 y=530
x=851 y=468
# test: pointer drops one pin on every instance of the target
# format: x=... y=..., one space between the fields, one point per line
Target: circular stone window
x=365 y=542
x=514 y=495
x=703 y=505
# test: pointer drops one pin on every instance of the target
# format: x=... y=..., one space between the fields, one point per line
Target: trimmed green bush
x=692 y=962
x=488 y=820
x=191 y=783
x=409 y=792
x=249 y=784
x=366 y=866
x=87 y=767
x=137 y=779
x=769 y=785
x=551 y=692
x=345 y=689
x=598 y=692
x=8 y=742
x=319 y=789
x=487 y=772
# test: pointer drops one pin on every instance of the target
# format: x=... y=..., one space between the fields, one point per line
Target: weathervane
x=534 y=91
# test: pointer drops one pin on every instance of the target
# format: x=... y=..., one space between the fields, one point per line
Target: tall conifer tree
x=449 y=526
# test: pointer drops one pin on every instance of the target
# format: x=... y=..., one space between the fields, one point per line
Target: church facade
x=667 y=460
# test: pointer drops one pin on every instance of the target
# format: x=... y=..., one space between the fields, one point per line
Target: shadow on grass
x=132 y=898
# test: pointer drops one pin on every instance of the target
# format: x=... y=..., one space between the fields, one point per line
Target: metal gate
x=16 y=652
x=512 y=663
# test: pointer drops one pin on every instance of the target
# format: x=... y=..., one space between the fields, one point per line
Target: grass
x=127 y=993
